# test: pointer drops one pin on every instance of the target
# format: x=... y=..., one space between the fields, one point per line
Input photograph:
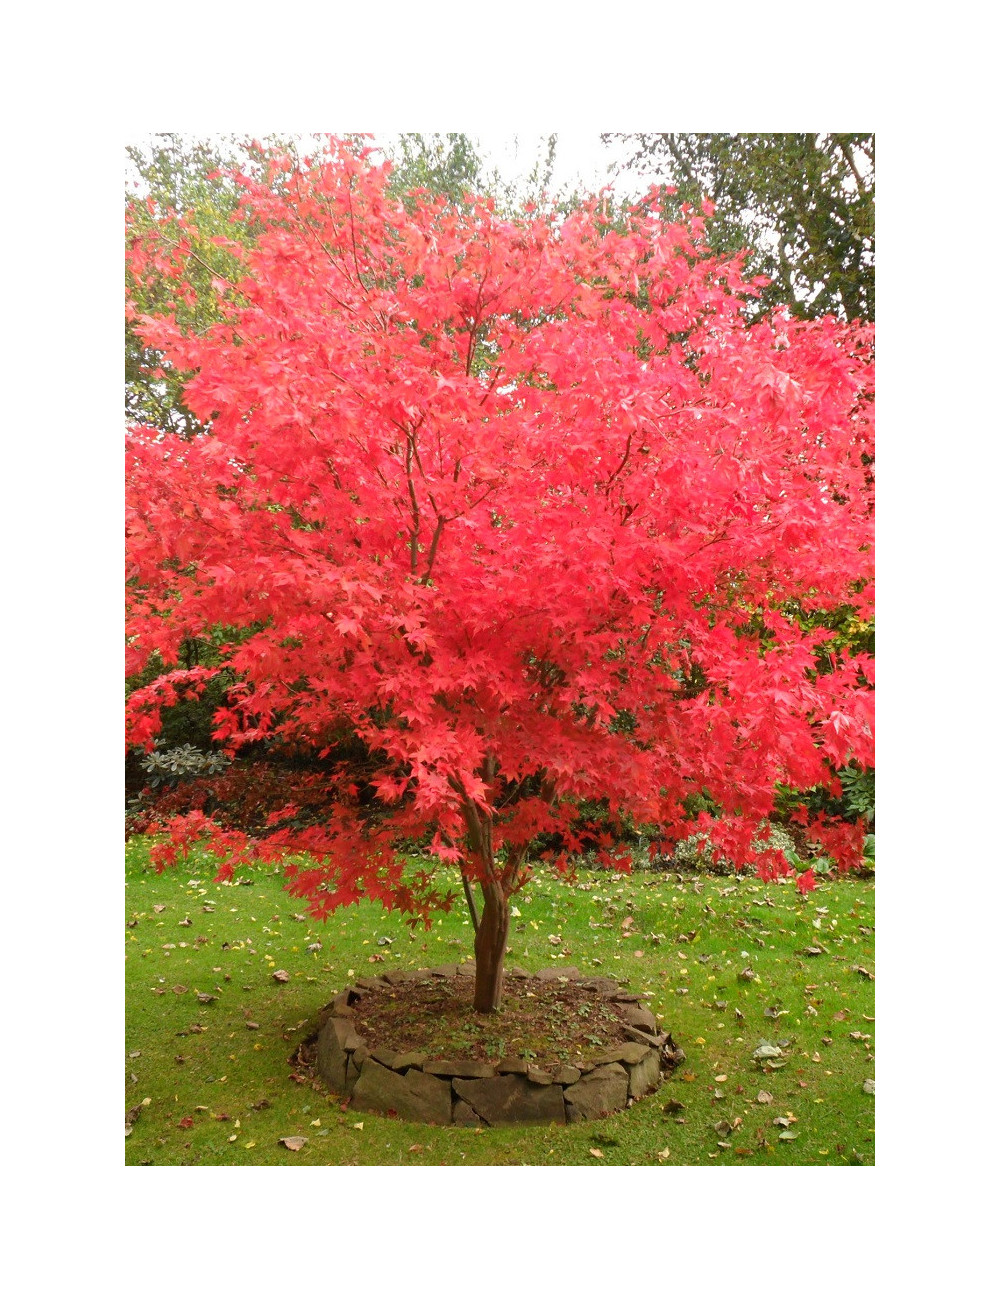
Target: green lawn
x=212 y=1078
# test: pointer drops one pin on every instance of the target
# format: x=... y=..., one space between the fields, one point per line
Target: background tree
x=804 y=204
x=523 y=505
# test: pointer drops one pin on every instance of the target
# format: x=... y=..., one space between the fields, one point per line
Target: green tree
x=188 y=177
x=446 y=164
x=804 y=204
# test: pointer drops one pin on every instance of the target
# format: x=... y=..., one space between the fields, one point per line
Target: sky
x=581 y=160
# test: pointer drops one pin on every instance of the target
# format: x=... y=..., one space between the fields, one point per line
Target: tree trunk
x=491 y=944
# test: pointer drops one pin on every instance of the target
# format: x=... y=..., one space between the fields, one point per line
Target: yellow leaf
x=664 y=1153
x=249 y=1144
x=599 y=1154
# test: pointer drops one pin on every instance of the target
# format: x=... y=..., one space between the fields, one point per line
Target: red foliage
x=524 y=504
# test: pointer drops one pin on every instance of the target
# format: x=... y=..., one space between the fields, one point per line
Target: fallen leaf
x=179 y=988
x=359 y=1125
x=293 y=1143
x=207 y=997
x=186 y=1122
x=281 y=976
x=869 y=1086
x=664 y=1154
x=159 y=907
x=787 y=1136
x=721 y=1078
x=764 y=1098
x=416 y=1148
x=594 y=1151
x=252 y=1024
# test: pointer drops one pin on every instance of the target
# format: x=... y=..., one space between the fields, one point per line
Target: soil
x=541 y=1021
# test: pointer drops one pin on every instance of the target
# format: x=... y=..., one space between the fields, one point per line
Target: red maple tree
x=523 y=504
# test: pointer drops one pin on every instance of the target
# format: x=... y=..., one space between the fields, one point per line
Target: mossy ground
x=218 y=1087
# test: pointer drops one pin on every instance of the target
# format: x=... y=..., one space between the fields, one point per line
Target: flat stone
x=573 y=1116
x=408 y=1061
x=517 y=972
x=361 y=1054
x=396 y=977
x=535 y=1075
x=601 y=984
x=512 y=1065
x=641 y=1036
x=459 y=1069
x=601 y=1091
x=423 y=974
x=510 y=1099
x=625 y=997
x=444 y=972
x=376 y=982
x=467 y=970
x=639 y=1017
x=331 y=1052
x=644 y=1075
x=630 y=1053
x=353 y=1073
x=566 y=1074
x=385 y=1056
x=414 y=1096
x=464 y=1115
x=558 y=972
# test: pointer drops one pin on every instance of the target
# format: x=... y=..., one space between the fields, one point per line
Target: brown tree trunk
x=491 y=945
x=491 y=930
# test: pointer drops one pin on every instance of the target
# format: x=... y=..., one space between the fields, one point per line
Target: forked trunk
x=491 y=944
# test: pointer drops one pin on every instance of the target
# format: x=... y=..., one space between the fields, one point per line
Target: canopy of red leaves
x=524 y=504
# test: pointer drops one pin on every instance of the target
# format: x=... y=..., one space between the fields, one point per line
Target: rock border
x=476 y=1094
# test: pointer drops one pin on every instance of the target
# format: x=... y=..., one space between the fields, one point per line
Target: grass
x=212 y=1079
